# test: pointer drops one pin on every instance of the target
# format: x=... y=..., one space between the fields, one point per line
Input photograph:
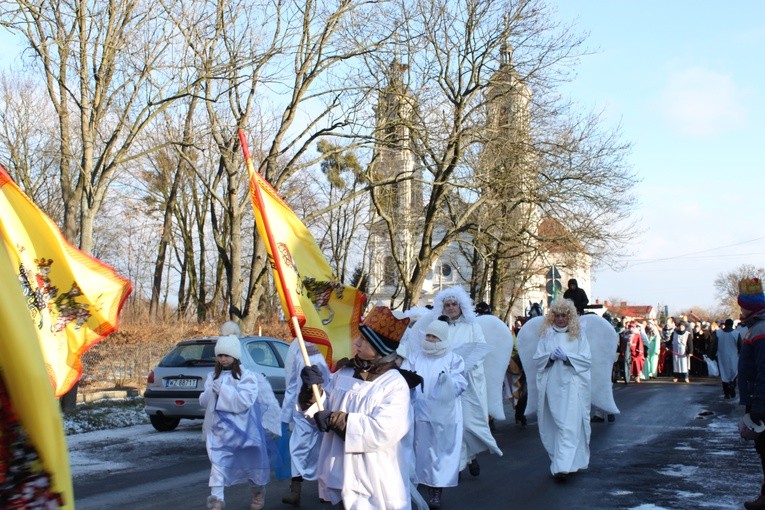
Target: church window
x=389 y=271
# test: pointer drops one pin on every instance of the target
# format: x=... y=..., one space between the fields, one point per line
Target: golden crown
x=750 y=286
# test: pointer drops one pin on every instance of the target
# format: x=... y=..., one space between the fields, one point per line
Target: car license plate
x=181 y=383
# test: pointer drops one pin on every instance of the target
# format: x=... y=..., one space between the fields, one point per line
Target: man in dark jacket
x=577 y=295
x=751 y=367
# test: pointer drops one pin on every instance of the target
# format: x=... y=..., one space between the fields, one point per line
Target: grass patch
x=105 y=414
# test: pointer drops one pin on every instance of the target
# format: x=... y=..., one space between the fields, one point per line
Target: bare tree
x=263 y=68
x=27 y=145
x=726 y=286
x=105 y=67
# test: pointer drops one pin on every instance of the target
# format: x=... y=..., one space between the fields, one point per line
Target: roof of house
x=556 y=238
x=630 y=310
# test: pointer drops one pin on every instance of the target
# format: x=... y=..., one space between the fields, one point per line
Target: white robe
x=563 y=406
x=437 y=417
x=679 y=358
x=305 y=439
x=235 y=438
x=476 y=437
x=727 y=354
x=368 y=469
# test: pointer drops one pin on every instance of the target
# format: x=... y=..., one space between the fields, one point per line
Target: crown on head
x=750 y=286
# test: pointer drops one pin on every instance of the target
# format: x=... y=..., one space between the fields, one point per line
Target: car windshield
x=262 y=354
x=190 y=355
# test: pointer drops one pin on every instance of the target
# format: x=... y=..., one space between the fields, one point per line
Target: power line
x=686 y=255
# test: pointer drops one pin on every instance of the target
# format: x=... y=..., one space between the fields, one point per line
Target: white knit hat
x=230 y=328
x=438 y=328
x=229 y=345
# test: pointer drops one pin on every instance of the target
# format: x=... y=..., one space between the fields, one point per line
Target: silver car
x=173 y=387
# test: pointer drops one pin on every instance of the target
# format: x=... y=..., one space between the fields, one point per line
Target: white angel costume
x=603 y=341
x=305 y=439
x=467 y=340
x=234 y=434
x=365 y=469
x=437 y=414
x=563 y=402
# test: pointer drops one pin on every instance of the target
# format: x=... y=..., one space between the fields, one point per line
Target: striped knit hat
x=750 y=295
x=383 y=330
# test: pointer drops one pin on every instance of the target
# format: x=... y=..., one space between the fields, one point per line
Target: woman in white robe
x=437 y=412
x=563 y=362
x=305 y=439
x=234 y=434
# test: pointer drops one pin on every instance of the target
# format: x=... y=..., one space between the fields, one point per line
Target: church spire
x=506 y=49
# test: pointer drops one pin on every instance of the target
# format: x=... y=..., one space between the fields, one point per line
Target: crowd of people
x=682 y=349
x=411 y=412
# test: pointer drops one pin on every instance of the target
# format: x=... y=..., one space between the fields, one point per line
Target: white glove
x=560 y=354
x=216 y=384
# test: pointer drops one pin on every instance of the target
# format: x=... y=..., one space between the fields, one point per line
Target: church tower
x=401 y=198
x=509 y=167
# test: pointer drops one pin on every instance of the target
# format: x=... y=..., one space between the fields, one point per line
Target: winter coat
x=751 y=368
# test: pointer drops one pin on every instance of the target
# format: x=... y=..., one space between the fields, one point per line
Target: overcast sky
x=685 y=80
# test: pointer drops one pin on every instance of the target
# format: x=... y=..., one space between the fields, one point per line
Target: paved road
x=675 y=446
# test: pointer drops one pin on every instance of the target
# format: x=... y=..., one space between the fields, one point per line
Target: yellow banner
x=73 y=299
x=328 y=311
x=35 y=463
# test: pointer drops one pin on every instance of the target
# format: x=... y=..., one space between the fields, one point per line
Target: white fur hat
x=438 y=329
x=230 y=345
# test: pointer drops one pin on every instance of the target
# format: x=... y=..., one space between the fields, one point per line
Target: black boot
x=293 y=496
x=474 y=468
x=434 y=498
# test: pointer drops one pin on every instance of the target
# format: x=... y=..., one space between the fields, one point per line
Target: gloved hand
x=442 y=377
x=216 y=384
x=311 y=375
x=322 y=419
x=560 y=354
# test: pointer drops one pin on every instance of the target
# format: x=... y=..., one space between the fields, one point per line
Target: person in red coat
x=637 y=350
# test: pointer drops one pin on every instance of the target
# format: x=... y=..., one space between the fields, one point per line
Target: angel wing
x=603 y=340
x=497 y=334
x=473 y=353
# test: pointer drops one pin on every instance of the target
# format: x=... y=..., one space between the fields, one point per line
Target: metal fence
x=121 y=365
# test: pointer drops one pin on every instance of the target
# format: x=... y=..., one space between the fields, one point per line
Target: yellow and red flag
x=34 y=464
x=327 y=311
x=73 y=300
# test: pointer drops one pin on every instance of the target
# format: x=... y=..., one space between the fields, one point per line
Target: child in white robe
x=305 y=439
x=234 y=435
x=437 y=412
